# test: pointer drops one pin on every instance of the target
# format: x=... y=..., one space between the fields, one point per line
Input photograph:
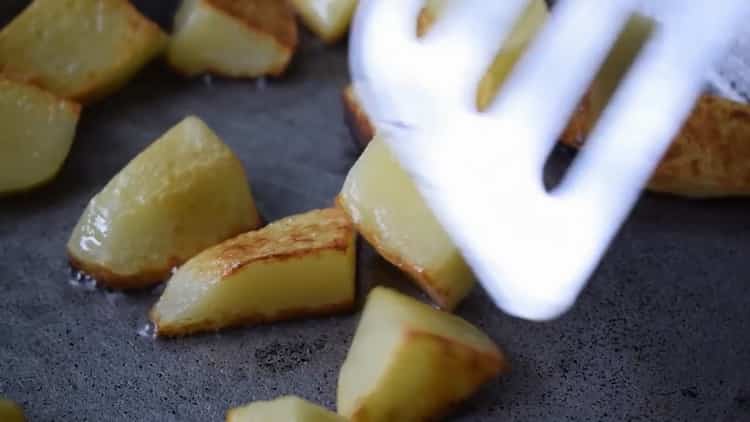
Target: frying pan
x=662 y=331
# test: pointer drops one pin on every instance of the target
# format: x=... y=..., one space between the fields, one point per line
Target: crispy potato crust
x=359 y=124
x=417 y=273
x=268 y=16
x=206 y=326
x=710 y=157
x=263 y=245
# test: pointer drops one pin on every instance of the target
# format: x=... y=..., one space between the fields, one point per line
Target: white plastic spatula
x=481 y=173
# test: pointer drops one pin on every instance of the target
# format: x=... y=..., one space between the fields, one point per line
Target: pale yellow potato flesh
x=10 y=412
x=185 y=192
x=303 y=265
x=235 y=38
x=37 y=131
x=510 y=52
x=283 y=409
x=404 y=349
x=328 y=19
x=390 y=213
x=78 y=49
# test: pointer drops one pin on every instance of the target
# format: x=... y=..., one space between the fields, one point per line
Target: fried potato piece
x=300 y=266
x=328 y=19
x=404 y=349
x=10 y=412
x=78 y=49
x=283 y=409
x=390 y=213
x=38 y=130
x=185 y=192
x=234 y=38
x=710 y=157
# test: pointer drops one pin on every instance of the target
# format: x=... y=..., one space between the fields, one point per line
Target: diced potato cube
x=300 y=266
x=38 y=130
x=185 y=192
x=284 y=409
x=235 y=38
x=328 y=19
x=78 y=49
x=390 y=213
x=409 y=362
x=10 y=412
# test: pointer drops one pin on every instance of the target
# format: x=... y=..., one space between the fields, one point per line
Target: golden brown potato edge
x=710 y=157
x=419 y=275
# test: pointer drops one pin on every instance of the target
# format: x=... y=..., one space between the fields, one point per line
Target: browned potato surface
x=300 y=266
x=710 y=157
x=234 y=38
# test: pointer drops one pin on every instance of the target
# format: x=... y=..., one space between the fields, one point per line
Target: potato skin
x=710 y=157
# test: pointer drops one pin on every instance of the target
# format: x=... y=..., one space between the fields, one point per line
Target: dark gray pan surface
x=661 y=333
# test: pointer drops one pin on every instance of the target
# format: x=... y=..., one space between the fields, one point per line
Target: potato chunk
x=183 y=193
x=299 y=266
x=10 y=412
x=235 y=38
x=390 y=213
x=328 y=19
x=709 y=156
x=38 y=130
x=404 y=349
x=284 y=409
x=78 y=49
